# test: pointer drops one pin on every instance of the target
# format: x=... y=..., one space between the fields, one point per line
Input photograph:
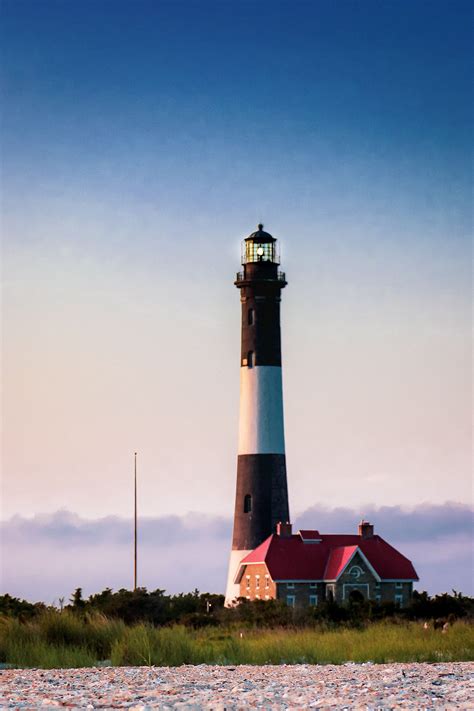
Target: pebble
x=191 y=688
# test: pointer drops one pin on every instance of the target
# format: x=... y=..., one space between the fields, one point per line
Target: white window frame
x=290 y=586
x=399 y=585
x=257 y=582
x=291 y=600
x=378 y=597
x=313 y=585
x=399 y=600
x=313 y=600
x=355 y=568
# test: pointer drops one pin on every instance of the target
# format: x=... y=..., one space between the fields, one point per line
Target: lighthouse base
x=232 y=591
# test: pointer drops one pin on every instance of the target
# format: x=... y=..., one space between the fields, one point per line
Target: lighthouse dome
x=260 y=236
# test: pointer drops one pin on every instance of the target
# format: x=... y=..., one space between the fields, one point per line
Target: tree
x=78 y=603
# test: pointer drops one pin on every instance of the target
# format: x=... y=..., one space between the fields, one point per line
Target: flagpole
x=135 y=527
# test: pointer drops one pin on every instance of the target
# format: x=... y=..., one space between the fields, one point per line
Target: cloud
x=47 y=556
x=425 y=522
x=64 y=527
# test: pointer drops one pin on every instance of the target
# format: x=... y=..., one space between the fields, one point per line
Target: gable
x=357 y=570
x=249 y=568
x=385 y=560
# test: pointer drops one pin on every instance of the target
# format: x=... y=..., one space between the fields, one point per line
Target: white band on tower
x=261 y=411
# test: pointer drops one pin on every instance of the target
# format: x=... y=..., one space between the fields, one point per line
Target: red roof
x=290 y=558
x=337 y=561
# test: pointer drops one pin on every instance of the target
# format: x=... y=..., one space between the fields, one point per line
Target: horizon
x=138 y=152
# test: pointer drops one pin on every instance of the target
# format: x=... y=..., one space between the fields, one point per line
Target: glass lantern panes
x=253 y=251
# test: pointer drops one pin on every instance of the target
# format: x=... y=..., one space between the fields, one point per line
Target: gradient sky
x=141 y=142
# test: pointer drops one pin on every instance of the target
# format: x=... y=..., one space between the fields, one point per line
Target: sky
x=141 y=142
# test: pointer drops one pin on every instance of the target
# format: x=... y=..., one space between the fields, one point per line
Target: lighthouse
x=261 y=499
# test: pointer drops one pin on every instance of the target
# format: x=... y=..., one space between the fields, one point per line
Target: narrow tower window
x=247 y=503
x=251 y=316
x=250 y=359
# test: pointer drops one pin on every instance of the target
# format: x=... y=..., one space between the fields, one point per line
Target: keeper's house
x=307 y=567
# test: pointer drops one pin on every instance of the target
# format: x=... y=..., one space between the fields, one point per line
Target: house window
x=250 y=359
x=313 y=600
x=398 y=585
x=290 y=600
x=251 y=317
x=290 y=585
x=377 y=586
x=267 y=582
x=398 y=599
x=257 y=582
x=248 y=582
x=247 y=503
x=355 y=572
x=378 y=598
x=312 y=585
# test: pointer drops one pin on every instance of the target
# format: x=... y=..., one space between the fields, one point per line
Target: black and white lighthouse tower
x=261 y=499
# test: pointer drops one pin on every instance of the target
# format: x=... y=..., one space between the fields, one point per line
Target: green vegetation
x=153 y=629
x=61 y=640
x=378 y=643
x=199 y=610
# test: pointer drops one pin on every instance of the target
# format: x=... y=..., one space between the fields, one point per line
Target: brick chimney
x=366 y=529
x=284 y=529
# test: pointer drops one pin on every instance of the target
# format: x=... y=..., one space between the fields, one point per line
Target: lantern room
x=260 y=247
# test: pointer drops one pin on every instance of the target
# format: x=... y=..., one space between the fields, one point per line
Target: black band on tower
x=261 y=326
x=261 y=498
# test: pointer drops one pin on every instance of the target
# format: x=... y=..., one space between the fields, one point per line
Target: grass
x=55 y=640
